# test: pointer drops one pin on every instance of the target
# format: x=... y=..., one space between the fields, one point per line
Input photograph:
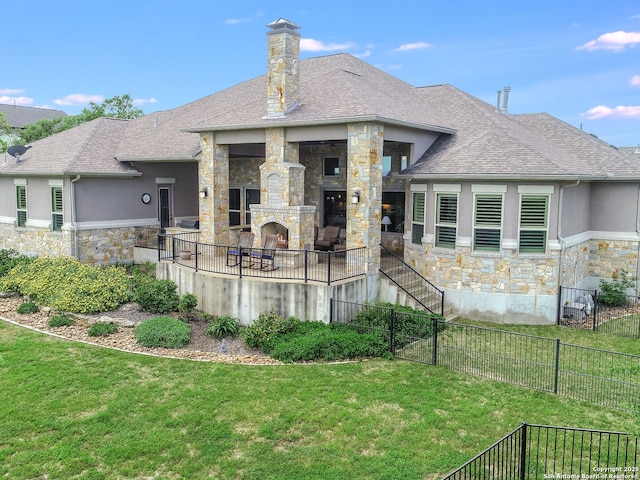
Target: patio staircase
x=414 y=290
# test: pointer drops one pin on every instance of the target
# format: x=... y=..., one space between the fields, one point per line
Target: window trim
x=438 y=225
x=544 y=229
x=55 y=213
x=244 y=209
x=487 y=226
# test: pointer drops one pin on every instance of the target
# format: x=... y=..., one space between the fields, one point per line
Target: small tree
x=614 y=293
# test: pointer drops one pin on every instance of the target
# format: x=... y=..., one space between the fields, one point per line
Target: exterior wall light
x=204 y=193
x=355 y=198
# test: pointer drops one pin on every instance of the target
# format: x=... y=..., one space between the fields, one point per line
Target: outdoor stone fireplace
x=277 y=229
x=294 y=224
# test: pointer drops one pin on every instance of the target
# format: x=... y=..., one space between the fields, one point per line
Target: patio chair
x=331 y=234
x=243 y=249
x=265 y=256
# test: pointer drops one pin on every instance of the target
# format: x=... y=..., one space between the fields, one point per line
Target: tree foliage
x=115 y=107
x=5 y=131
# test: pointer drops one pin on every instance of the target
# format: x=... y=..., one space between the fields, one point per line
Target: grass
x=71 y=410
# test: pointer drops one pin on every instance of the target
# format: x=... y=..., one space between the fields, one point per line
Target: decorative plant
x=614 y=293
x=224 y=326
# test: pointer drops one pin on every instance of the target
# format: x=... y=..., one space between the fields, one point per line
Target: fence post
x=557 y=367
x=595 y=310
x=392 y=328
x=306 y=264
x=559 y=313
x=329 y=268
x=523 y=452
x=331 y=310
x=434 y=353
x=196 y=252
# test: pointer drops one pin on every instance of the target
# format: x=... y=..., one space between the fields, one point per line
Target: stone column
x=213 y=175
x=364 y=175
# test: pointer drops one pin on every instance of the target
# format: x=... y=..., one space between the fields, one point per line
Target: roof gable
x=18 y=116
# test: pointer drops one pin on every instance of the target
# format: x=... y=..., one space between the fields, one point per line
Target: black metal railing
x=421 y=290
x=601 y=377
x=286 y=264
x=542 y=451
x=147 y=237
x=580 y=308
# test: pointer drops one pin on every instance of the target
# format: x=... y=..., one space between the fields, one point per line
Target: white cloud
x=10 y=91
x=78 y=99
x=311 y=45
x=635 y=81
x=412 y=46
x=618 y=112
x=614 y=41
x=143 y=101
x=238 y=21
x=365 y=54
x=16 y=100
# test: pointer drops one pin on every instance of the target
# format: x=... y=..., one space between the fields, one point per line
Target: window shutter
x=418 y=207
x=446 y=221
x=533 y=223
x=488 y=222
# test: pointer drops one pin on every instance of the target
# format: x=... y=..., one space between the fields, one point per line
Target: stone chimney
x=282 y=69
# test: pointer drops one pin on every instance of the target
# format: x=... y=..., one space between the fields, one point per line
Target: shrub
x=9 y=258
x=317 y=341
x=102 y=329
x=60 y=321
x=265 y=328
x=157 y=296
x=223 y=326
x=188 y=302
x=163 y=331
x=27 y=307
x=68 y=285
x=614 y=293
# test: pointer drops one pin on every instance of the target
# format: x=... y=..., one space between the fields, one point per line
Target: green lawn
x=71 y=410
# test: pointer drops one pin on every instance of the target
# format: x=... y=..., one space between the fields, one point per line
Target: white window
x=56 y=208
x=418 y=213
x=446 y=219
x=21 y=205
x=386 y=166
x=487 y=222
x=534 y=214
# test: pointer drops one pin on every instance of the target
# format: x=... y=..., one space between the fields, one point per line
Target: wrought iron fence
x=285 y=264
x=421 y=290
x=542 y=451
x=605 y=378
x=581 y=308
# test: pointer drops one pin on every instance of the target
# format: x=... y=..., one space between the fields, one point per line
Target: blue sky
x=577 y=60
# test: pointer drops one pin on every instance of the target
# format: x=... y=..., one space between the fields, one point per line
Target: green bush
x=318 y=341
x=102 y=329
x=60 y=321
x=9 y=258
x=27 y=307
x=187 y=304
x=265 y=328
x=157 y=296
x=614 y=293
x=66 y=284
x=408 y=323
x=163 y=331
x=223 y=326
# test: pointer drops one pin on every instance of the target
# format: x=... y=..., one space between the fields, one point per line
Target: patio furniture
x=331 y=234
x=265 y=257
x=243 y=249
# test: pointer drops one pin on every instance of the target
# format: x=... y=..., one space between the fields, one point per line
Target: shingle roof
x=490 y=144
x=18 y=116
x=86 y=149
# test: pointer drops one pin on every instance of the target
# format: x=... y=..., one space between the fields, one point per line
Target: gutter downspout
x=563 y=243
x=74 y=223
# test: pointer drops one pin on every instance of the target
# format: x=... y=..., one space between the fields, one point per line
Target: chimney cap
x=283 y=25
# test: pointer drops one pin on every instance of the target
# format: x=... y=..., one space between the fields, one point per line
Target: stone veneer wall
x=283 y=46
x=213 y=174
x=96 y=246
x=607 y=257
x=364 y=164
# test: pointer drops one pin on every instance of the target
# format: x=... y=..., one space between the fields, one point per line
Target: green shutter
x=488 y=213
x=533 y=223
x=418 y=206
x=446 y=220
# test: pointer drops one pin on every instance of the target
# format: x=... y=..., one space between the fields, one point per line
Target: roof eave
x=283 y=122
x=502 y=177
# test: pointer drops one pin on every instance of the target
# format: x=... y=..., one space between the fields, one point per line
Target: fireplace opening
x=278 y=229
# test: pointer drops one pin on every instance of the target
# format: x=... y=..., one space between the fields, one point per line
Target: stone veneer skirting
x=95 y=246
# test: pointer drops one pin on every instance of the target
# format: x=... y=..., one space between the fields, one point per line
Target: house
x=498 y=210
x=18 y=116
